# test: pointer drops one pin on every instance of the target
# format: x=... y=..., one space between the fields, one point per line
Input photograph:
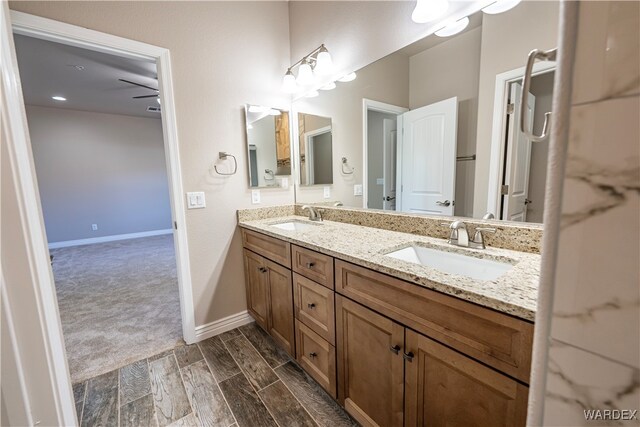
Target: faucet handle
x=478 y=237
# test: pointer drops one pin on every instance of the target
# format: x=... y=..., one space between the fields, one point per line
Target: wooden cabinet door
x=257 y=288
x=281 y=320
x=370 y=365
x=446 y=388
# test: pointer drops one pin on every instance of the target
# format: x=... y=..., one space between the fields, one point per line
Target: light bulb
x=347 y=78
x=305 y=74
x=429 y=10
x=328 y=86
x=289 y=82
x=324 y=63
x=312 y=94
x=500 y=6
x=58 y=98
x=453 y=28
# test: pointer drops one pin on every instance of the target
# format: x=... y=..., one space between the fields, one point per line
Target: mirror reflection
x=434 y=127
x=268 y=144
x=315 y=150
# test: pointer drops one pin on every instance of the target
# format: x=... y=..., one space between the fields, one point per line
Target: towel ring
x=270 y=175
x=549 y=55
x=223 y=156
x=345 y=162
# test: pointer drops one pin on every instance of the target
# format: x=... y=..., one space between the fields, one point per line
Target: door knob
x=310 y=264
x=311 y=305
x=389 y=198
x=262 y=269
x=395 y=349
x=527 y=201
x=445 y=203
x=408 y=356
x=313 y=354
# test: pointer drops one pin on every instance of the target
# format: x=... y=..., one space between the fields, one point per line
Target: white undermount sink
x=294 y=225
x=452 y=262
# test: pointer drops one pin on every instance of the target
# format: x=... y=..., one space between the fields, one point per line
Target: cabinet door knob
x=311 y=305
x=262 y=269
x=310 y=264
x=313 y=354
x=408 y=356
x=395 y=349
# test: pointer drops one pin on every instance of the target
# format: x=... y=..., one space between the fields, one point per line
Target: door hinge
x=510 y=108
x=175 y=225
x=504 y=190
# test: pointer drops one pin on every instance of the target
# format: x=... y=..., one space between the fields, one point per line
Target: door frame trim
x=381 y=107
x=496 y=159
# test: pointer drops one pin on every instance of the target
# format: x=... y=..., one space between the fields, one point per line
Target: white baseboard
x=92 y=240
x=223 y=325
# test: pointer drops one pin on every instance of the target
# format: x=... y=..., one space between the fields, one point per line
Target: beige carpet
x=118 y=302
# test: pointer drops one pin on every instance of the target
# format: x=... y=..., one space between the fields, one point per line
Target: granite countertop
x=515 y=292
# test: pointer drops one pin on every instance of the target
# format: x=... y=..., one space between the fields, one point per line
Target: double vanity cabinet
x=393 y=353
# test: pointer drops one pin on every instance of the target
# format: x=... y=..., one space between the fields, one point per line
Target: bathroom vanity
x=395 y=341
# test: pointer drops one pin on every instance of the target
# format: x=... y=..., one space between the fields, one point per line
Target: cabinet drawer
x=497 y=339
x=269 y=247
x=314 y=307
x=317 y=357
x=313 y=265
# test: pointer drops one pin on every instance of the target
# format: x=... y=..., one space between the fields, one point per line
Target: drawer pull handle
x=313 y=354
x=311 y=264
x=262 y=270
x=395 y=349
x=311 y=305
x=408 y=356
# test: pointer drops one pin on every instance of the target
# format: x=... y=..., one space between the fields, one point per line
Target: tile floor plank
x=168 y=391
x=101 y=400
x=188 y=421
x=252 y=364
x=187 y=354
x=134 y=381
x=245 y=403
x=220 y=362
x=324 y=410
x=78 y=397
x=138 y=413
x=206 y=399
x=265 y=345
x=226 y=336
x=284 y=408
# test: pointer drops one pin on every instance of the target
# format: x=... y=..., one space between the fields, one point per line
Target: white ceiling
x=48 y=69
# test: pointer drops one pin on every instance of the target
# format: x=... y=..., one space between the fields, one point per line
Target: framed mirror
x=433 y=128
x=268 y=145
x=315 y=150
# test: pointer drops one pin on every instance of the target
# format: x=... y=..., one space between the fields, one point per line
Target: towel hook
x=223 y=156
x=549 y=55
x=345 y=162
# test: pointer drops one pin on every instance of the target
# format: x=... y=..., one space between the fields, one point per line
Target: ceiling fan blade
x=146 y=96
x=138 y=84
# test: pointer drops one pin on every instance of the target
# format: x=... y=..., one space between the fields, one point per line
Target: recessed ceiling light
x=58 y=98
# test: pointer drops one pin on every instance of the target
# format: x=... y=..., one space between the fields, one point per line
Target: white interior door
x=427 y=169
x=518 y=159
x=390 y=147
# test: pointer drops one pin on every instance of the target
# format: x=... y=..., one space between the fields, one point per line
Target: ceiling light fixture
x=347 y=78
x=58 y=98
x=328 y=86
x=500 y=6
x=453 y=28
x=317 y=63
x=312 y=94
x=429 y=10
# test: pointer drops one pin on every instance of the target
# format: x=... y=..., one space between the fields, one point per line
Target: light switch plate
x=255 y=196
x=380 y=181
x=327 y=192
x=357 y=190
x=196 y=200
x=284 y=183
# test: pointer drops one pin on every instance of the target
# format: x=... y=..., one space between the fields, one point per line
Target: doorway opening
x=103 y=169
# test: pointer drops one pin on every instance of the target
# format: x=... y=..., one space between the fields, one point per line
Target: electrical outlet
x=255 y=197
x=327 y=192
x=357 y=190
x=94 y=227
x=196 y=200
x=284 y=183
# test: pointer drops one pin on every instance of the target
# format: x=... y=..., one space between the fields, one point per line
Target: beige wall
x=344 y=106
x=507 y=39
x=96 y=168
x=224 y=55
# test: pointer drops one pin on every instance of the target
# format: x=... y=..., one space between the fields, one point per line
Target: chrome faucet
x=314 y=214
x=460 y=235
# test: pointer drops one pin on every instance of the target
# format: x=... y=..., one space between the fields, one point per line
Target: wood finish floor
x=239 y=378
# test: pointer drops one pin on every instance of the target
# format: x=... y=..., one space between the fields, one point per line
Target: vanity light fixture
x=312 y=94
x=453 y=28
x=500 y=6
x=429 y=10
x=58 y=98
x=329 y=86
x=258 y=109
x=317 y=63
x=347 y=78
x=274 y=112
